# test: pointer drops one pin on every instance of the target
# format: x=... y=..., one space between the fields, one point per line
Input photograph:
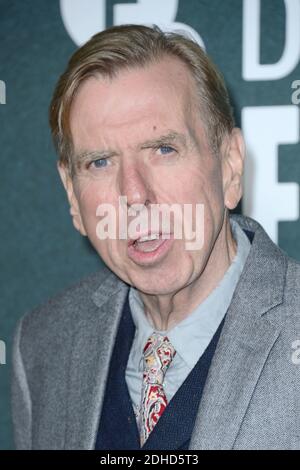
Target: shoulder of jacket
x=56 y=317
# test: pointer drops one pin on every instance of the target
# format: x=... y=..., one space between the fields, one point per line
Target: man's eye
x=99 y=163
x=166 y=149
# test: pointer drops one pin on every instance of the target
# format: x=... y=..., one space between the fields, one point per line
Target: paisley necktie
x=158 y=354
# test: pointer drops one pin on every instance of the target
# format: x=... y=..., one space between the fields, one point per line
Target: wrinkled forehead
x=153 y=99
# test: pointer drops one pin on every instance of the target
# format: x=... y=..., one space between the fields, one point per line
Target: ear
x=233 y=155
x=74 y=206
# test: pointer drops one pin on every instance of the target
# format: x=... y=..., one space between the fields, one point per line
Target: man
x=174 y=346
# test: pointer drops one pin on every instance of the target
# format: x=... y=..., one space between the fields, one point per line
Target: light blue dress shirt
x=191 y=336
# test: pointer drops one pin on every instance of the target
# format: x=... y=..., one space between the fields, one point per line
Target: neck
x=167 y=310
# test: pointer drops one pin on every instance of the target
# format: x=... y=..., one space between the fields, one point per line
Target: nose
x=135 y=185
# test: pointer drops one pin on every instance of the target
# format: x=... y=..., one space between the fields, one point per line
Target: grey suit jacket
x=251 y=398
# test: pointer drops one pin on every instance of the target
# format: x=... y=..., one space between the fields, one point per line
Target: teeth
x=148 y=238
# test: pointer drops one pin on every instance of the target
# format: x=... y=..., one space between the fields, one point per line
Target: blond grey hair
x=132 y=46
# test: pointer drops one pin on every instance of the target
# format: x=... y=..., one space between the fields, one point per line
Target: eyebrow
x=172 y=136
x=85 y=155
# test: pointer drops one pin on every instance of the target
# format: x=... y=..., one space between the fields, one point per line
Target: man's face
x=142 y=137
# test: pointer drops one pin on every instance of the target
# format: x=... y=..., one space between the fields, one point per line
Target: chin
x=157 y=285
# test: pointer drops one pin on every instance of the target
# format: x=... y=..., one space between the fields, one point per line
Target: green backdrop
x=40 y=252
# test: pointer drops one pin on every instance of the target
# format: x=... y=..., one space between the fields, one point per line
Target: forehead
x=136 y=103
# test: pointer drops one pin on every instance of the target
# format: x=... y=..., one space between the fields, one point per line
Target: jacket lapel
x=93 y=343
x=251 y=328
x=117 y=410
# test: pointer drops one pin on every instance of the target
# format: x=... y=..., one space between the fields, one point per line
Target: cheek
x=203 y=185
x=212 y=182
x=199 y=177
x=89 y=197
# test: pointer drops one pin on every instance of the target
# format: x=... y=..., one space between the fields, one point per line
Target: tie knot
x=158 y=354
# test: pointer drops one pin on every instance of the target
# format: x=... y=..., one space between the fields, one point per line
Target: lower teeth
x=148 y=246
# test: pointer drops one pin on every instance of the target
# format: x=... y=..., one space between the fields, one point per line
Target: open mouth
x=148 y=243
x=149 y=247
